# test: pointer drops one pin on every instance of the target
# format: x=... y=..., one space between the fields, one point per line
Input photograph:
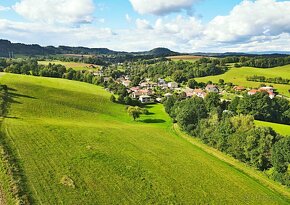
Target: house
x=146 y=99
x=267 y=89
x=167 y=95
x=253 y=92
x=172 y=85
x=139 y=93
x=271 y=95
x=148 y=85
x=199 y=93
x=159 y=100
x=134 y=89
x=212 y=88
x=161 y=81
x=239 y=88
x=189 y=92
x=126 y=83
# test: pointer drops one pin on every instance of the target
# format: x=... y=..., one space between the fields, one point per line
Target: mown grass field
x=62 y=128
x=185 y=58
x=279 y=128
x=238 y=77
x=74 y=65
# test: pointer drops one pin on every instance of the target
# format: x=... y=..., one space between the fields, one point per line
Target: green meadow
x=74 y=65
x=279 y=128
x=238 y=77
x=76 y=147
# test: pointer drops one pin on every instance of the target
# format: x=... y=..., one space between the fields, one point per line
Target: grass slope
x=69 y=129
x=238 y=77
x=74 y=65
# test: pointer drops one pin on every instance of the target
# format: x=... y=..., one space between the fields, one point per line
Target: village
x=154 y=92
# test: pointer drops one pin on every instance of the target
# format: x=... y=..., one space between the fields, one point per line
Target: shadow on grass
x=153 y=121
x=19 y=182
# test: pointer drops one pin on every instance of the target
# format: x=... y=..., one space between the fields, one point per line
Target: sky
x=138 y=25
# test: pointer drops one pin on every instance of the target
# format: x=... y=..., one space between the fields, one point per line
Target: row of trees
x=3 y=99
x=211 y=121
x=180 y=71
x=276 y=80
x=266 y=61
x=261 y=107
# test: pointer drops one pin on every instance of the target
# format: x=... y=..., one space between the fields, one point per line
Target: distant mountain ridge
x=8 y=49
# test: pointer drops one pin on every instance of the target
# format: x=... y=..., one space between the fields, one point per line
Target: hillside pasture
x=185 y=58
x=238 y=77
x=73 y=65
x=279 y=128
x=76 y=147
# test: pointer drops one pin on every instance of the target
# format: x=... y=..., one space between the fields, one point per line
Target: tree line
x=276 y=80
x=236 y=134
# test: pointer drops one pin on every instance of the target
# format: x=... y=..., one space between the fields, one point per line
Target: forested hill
x=8 y=49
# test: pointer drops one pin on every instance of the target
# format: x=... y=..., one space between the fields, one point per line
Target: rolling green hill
x=238 y=77
x=76 y=147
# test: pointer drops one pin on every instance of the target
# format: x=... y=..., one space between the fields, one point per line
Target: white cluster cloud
x=56 y=11
x=161 y=7
x=250 y=26
x=250 y=19
x=36 y=32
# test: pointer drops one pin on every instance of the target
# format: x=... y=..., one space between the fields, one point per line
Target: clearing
x=74 y=65
x=185 y=58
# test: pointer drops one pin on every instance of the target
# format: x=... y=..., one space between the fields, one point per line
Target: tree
x=113 y=98
x=169 y=103
x=135 y=81
x=192 y=83
x=190 y=112
x=134 y=112
x=281 y=155
x=212 y=101
x=221 y=81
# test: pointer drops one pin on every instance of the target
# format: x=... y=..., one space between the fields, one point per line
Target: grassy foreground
x=76 y=147
x=238 y=77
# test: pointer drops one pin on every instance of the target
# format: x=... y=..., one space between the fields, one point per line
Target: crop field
x=74 y=65
x=279 y=128
x=238 y=77
x=76 y=147
x=185 y=58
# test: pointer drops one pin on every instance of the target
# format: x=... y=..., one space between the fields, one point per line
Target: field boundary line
x=254 y=174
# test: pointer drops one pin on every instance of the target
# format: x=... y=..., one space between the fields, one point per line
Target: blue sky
x=133 y=25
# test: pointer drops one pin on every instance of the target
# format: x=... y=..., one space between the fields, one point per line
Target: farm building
x=199 y=93
x=146 y=99
x=239 y=88
x=126 y=83
x=172 y=85
x=212 y=88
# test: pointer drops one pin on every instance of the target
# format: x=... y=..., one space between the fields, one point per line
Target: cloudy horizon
x=136 y=25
